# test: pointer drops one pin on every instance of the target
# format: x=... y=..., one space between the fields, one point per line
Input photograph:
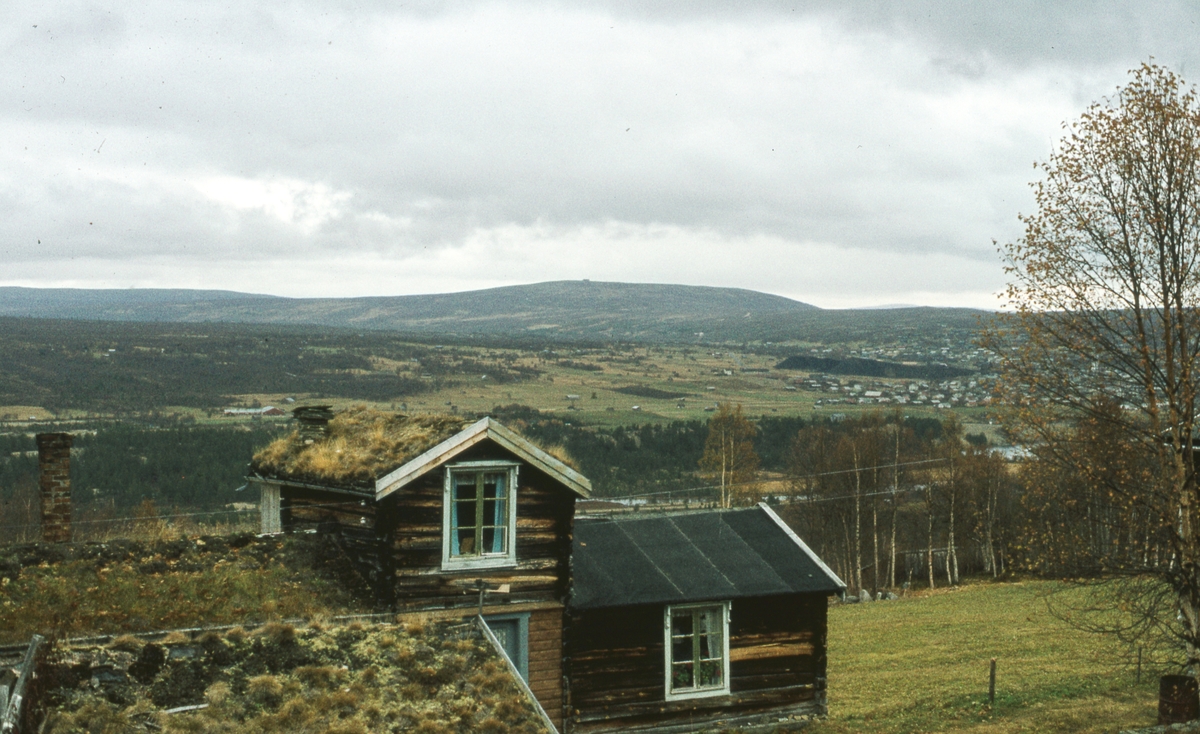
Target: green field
x=920 y=664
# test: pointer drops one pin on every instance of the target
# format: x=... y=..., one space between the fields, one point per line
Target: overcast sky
x=840 y=153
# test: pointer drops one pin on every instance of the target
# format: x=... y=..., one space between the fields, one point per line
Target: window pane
x=493 y=486
x=681 y=623
x=464 y=487
x=465 y=545
x=681 y=676
x=708 y=673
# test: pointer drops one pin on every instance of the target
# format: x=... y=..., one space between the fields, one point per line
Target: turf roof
x=361 y=445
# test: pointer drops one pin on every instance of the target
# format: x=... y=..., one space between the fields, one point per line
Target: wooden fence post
x=10 y=717
x=992 y=684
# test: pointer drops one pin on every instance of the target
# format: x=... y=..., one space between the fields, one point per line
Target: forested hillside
x=115 y=368
x=565 y=310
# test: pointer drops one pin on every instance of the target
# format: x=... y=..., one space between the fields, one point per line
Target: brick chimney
x=54 y=461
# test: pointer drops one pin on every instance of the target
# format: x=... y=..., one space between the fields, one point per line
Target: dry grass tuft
x=277 y=631
x=176 y=638
x=560 y=452
x=362 y=445
x=415 y=626
x=217 y=693
x=236 y=634
x=265 y=689
x=320 y=676
x=127 y=643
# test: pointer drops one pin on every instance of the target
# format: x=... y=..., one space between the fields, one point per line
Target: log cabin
x=684 y=622
x=440 y=518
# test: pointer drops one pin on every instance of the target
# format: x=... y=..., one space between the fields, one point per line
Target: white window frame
x=482 y=560
x=723 y=689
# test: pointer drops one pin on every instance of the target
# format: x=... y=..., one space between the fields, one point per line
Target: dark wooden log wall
x=614 y=662
x=545 y=661
x=412 y=518
x=351 y=520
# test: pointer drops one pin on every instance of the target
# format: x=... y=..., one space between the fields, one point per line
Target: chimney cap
x=317 y=414
x=53 y=439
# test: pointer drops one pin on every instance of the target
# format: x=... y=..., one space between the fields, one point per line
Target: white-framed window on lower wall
x=479 y=517
x=696 y=645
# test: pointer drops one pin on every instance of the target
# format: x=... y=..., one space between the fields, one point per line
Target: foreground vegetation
x=921 y=664
x=428 y=677
x=137 y=586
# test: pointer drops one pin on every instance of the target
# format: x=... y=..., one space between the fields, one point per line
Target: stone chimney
x=314 y=421
x=54 y=461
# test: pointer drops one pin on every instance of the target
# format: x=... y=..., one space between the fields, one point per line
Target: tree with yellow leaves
x=1105 y=334
x=729 y=455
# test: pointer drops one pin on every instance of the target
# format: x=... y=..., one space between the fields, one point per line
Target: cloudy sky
x=841 y=153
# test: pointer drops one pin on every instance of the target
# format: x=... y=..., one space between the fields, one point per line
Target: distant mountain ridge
x=562 y=309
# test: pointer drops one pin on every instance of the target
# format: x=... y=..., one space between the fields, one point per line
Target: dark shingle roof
x=697 y=556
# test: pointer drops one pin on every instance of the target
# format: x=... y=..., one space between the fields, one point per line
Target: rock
x=240 y=540
x=149 y=662
x=10 y=567
x=891 y=597
x=212 y=544
x=864 y=595
x=174 y=549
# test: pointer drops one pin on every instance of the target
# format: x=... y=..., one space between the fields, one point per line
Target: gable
x=692 y=557
x=483 y=430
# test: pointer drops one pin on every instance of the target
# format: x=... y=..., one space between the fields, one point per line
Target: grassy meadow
x=920 y=664
x=595 y=380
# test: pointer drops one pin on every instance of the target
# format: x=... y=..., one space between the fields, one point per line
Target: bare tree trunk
x=990 y=522
x=857 y=522
x=951 y=552
x=895 y=499
x=929 y=531
x=875 y=546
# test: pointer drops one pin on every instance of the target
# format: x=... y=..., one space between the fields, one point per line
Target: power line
x=805 y=476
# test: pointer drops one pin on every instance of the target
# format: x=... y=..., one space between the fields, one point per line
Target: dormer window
x=479 y=517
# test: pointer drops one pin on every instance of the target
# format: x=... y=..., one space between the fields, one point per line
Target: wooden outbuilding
x=440 y=518
x=690 y=621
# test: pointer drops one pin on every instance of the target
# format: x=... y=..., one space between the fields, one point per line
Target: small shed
x=431 y=511
x=679 y=622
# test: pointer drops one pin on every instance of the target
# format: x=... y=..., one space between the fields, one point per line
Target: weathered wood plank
x=774 y=650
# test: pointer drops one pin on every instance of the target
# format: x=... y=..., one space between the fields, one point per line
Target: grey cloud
x=438 y=122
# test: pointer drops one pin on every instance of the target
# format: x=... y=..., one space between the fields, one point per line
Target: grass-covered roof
x=360 y=446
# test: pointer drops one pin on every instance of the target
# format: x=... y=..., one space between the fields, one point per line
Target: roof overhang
x=483 y=430
x=804 y=546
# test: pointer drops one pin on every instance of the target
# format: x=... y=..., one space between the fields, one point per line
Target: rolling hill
x=559 y=309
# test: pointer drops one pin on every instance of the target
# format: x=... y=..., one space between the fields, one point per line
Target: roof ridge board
x=517 y=443
x=800 y=542
x=651 y=514
x=483 y=428
x=400 y=476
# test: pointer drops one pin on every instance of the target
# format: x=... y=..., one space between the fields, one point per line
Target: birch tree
x=729 y=455
x=1105 y=292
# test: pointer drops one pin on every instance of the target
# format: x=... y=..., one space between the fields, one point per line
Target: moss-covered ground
x=417 y=676
x=138 y=586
